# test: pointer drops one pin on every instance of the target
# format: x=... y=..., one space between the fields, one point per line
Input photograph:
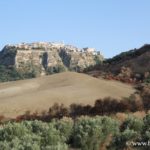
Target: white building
x=57 y=45
x=89 y=50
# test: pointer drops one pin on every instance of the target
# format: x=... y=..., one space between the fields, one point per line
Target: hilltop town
x=48 y=57
x=48 y=45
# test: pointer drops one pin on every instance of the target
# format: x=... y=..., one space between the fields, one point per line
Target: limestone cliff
x=46 y=57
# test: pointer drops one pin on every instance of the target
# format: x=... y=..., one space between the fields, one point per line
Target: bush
x=65 y=126
x=133 y=123
x=147 y=80
x=31 y=135
x=89 y=133
x=56 y=69
x=146 y=128
x=9 y=74
x=130 y=130
x=85 y=133
x=119 y=141
x=13 y=74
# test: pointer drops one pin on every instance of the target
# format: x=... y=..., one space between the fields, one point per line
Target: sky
x=110 y=26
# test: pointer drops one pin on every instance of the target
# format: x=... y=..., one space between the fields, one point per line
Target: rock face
x=46 y=57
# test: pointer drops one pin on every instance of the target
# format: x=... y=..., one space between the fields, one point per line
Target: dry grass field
x=39 y=94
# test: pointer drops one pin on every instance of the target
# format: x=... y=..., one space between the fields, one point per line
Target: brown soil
x=39 y=94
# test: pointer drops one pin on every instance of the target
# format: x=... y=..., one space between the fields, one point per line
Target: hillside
x=138 y=60
x=131 y=66
x=69 y=87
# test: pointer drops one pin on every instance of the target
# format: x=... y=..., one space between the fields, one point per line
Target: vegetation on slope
x=12 y=74
x=129 y=54
x=131 y=67
x=85 y=133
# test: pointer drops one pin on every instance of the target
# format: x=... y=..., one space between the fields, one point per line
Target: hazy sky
x=110 y=26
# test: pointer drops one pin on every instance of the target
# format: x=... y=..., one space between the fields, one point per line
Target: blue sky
x=111 y=26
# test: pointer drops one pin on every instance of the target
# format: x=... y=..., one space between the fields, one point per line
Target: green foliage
x=122 y=56
x=119 y=141
x=89 y=133
x=130 y=131
x=65 y=126
x=84 y=133
x=56 y=69
x=33 y=135
x=129 y=54
x=12 y=74
x=133 y=123
x=147 y=80
x=9 y=74
x=98 y=60
x=146 y=128
x=29 y=70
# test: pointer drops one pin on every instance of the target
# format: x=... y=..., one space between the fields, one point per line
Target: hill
x=138 y=60
x=39 y=94
x=133 y=65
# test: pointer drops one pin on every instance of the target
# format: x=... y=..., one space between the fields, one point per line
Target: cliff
x=47 y=58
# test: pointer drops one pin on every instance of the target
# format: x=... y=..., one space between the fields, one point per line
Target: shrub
x=130 y=130
x=146 y=128
x=12 y=74
x=147 y=80
x=58 y=111
x=56 y=69
x=89 y=133
x=65 y=126
x=9 y=74
x=119 y=141
x=31 y=135
x=133 y=123
x=85 y=133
